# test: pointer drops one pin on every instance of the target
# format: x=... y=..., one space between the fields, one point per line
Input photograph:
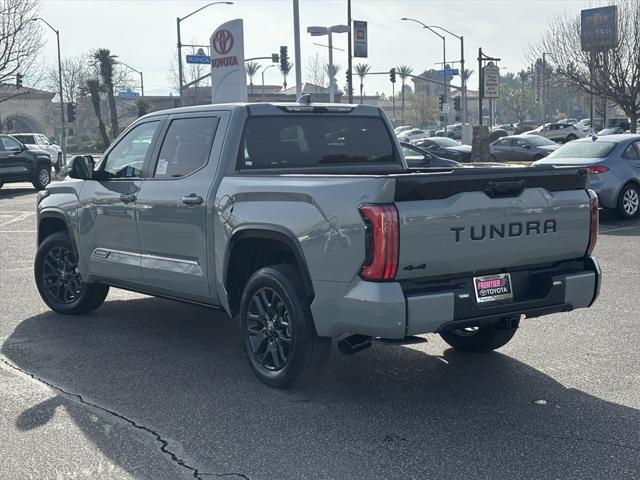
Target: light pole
x=178 y=20
x=264 y=70
x=63 y=146
x=320 y=31
x=138 y=72
x=444 y=60
x=462 y=72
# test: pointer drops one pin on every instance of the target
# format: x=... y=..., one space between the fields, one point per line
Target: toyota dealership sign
x=228 y=77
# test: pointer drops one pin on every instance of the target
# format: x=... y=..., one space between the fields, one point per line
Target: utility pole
x=296 y=47
x=349 y=55
x=480 y=86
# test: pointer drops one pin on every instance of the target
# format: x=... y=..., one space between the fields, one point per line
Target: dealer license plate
x=490 y=288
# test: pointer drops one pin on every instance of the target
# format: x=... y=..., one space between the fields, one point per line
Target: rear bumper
x=398 y=309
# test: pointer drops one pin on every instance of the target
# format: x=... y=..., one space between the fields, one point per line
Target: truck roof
x=275 y=108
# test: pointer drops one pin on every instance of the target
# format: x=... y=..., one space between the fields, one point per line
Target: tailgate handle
x=504 y=189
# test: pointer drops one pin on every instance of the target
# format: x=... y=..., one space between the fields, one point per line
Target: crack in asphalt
x=164 y=444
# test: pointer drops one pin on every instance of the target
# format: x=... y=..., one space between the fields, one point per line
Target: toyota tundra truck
x=304 y=222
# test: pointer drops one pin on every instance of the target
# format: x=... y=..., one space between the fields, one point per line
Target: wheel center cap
x=270 y=327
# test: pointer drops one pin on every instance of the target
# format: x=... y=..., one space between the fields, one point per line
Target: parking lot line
x=20 y=217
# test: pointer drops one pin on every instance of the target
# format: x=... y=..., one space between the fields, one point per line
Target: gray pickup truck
x=304 y=222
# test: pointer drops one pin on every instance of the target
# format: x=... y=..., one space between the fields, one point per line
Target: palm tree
x=331 y=73
x=404 y=71
x=285 y=69
x=252 y=68
x=93 y=86
x=105 y=62
x=362 y=69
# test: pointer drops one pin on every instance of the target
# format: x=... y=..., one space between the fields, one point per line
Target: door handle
x=127 y=198
x=192 y=199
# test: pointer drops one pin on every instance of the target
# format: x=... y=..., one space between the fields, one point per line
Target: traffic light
x=456 y=104
x=19 y=78
x=348 y=75
x=441 y=101
x=71 y=112
x=392 y=75
x=283 y=57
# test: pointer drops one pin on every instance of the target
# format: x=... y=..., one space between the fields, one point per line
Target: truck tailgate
x=490 y=220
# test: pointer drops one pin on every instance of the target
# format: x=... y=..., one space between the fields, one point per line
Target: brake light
x=595 y=221
x=382 y=242
x=597 y=169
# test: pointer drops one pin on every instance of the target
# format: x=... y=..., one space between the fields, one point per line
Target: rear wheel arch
x=252 y=248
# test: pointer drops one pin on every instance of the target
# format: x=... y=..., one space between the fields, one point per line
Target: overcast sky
x=143 y=32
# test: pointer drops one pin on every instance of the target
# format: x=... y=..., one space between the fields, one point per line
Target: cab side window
x=631 y=152
x=186 y=146
x=10 y=144
x=126 y=159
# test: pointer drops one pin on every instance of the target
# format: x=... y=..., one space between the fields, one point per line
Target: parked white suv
x=41 y=142
x=558 y=132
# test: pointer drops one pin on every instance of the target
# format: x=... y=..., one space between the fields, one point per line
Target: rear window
x=297 y=141
x=25 y=139
x=445 y=142
x=587 y=149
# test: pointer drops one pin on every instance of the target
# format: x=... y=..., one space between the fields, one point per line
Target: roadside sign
x=599 y=28
x=491 y=84
x=200 y=58
x=128 y=94
x=446 y=107
x=538 y=74
x=448 y=72
x=228 y=76
x=360 y=38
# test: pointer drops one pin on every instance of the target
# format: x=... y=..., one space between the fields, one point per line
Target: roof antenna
x=306 y=99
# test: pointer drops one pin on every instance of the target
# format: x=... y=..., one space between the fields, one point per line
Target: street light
x=178 y=20
x=462 y=72
x=138 y=72
x=62 y=140
x=264 y=70
x=444 y=58
x=316 y=31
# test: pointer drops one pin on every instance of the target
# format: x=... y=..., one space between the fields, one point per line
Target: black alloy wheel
x=61 y=277
x=269 y=329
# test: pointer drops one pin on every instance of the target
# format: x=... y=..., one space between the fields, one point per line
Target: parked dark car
x=521 y=148
x=613 y=163
x=417 y=157
x=452 y=131
x=522 y=127
x=445 y=147
x=20 y=164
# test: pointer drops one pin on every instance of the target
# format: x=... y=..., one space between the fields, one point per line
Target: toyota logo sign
x=223 y=41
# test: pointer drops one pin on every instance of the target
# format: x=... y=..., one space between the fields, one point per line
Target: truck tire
x=571 y=137
x=629 y=202
x=59 y=282
x=42 y=177
x=478 y=339
x=279 y=337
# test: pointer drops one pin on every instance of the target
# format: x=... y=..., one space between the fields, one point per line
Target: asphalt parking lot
x=149 y=389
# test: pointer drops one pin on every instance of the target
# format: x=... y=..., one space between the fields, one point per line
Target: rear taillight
x=597 y=169
x=382 y=239
x=595 y=221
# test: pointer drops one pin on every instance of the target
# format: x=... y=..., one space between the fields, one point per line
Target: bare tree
x=404 y=71
x=612 y=74
x=75 y=72
x=423 y=111
x=20 y=37
x=315 y=68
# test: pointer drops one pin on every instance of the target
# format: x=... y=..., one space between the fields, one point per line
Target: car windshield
x=445 y=142
x=539 y=141
x=589 y=149
x=25 y=138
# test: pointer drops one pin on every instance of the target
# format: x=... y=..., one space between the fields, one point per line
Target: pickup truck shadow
x=388 y=412
x=16 y=192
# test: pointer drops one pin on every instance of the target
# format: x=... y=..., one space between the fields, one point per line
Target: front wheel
x=629 y=202
x=478 y=339
x=278 y=332
x=42 y=177
x=58 y=278
x=571 y=136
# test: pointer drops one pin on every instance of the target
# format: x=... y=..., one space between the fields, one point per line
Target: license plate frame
x=493 y=292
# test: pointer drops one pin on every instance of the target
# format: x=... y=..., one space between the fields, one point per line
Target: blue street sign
x=201 y=59
x=128 y=94
x=448 y=72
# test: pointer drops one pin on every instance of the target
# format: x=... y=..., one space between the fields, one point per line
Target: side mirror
x=526 y=146
x=81 y=167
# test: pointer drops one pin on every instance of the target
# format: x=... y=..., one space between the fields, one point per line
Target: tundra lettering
x=513 y=229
